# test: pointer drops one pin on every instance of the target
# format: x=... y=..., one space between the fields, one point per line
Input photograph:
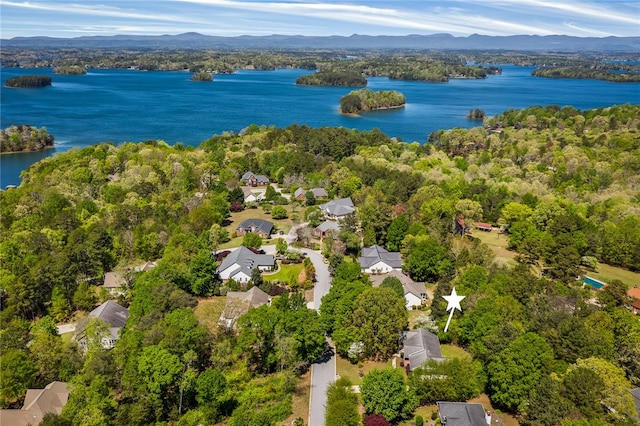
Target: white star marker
x=453 y=303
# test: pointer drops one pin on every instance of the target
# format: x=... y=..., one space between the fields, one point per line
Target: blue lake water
x=127 y=105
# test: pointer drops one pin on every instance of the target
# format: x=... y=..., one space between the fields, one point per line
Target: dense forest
x=333 y=78
x=29 y=81
x=24 y=138
x=368 y=100
x=202 y=76
x=70 y=70
x=563 y=183
x=587 y=73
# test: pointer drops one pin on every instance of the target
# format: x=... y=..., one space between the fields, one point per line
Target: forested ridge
x=564 y=183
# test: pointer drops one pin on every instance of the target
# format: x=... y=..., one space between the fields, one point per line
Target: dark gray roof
x=461 y=414
x=420 y=346
x=259 y=178
x=374 y=254
x=246 y=260
x=256 y=225
x=111 y=313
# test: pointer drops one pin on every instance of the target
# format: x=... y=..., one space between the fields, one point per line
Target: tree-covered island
x=587 y=74
x=364 y=100
x=202 y=76
x=29 y=81
x=333 y=78
x=24 y=138
x=70 y=70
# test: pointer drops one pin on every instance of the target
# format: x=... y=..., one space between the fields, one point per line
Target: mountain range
x=552 y=43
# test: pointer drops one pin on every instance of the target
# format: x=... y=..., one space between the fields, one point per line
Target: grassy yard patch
x=286 y=274
x=424 y=411
x=344 y=368
x=497 y=242
x=453 y=351
x=300 y=401
x=608 y=273
x=208 y=311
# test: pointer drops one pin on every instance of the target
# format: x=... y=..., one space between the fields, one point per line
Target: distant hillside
x=435 y=41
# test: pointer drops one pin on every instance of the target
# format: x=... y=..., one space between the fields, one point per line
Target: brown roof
x=634 y=292
x=483 y=225
x=37 y=403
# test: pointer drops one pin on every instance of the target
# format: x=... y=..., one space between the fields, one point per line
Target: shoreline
x=355 y=114
x=26 y=151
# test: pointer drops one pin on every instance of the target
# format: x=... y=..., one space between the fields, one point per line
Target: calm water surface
x=126 y=105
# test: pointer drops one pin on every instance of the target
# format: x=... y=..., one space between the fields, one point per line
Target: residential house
x=240 y=262
x=377 y=260
x=483 y=226
x=337 y=209
x=37 y=403
x=326 y=228
x=252 y=197
x=146 y=267
x=259 y=226
x=415 y=293
x=114 y=283
x=633 y=295
x=418 y=347
x=253 y=179
x=239 y=303
x=300 y=194
x=114 y=315
x=463 y=414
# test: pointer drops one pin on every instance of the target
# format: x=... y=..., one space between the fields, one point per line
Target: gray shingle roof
x=111 y=313
x=256 y=225
x=461 y=414
x=374 y=254
x=340 y=207
x=246 y=260
x=254 y=296
x=329 y=225
x=37 y=403
x=420 y=346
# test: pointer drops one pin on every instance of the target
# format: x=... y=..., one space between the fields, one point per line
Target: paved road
x=322 y=374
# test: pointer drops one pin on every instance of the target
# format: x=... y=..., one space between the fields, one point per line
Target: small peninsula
x=333 y=78
x=24 y=138
x=202 y=76
x=70 y=70
x=364 y=100
x=584 y=73
x=29 y=81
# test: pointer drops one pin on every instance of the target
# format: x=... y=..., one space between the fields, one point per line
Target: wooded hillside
x=564 y=184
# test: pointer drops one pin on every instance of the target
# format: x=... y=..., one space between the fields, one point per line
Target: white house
x=377 y=260
x=239 y=264
x=415 y=294
x=251 y=196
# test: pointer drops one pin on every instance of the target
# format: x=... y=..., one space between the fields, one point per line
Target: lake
x=128 y=105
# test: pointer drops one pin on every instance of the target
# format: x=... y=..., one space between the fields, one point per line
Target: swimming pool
x=593 y=282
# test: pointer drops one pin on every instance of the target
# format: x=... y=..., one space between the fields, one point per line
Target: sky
x=74 y=18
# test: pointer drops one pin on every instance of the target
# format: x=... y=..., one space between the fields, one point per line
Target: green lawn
x=283 y=225
x=453 y=351
x=286 y=274
x=498 y=242
x=344 y=368
x=608 y=273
